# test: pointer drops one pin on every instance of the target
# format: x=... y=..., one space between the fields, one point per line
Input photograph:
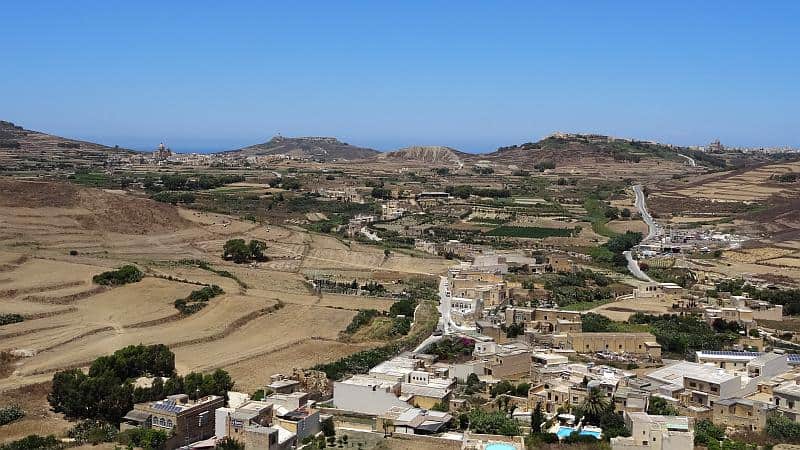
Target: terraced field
x=51 y=249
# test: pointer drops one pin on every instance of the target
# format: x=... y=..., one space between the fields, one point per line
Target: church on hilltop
x=162 y=152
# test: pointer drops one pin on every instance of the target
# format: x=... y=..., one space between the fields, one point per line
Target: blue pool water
x=499 y=446
x=563 y=432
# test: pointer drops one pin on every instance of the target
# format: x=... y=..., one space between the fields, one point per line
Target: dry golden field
x=70 y=321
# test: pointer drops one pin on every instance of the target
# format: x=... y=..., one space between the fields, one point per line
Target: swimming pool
x=499 y=446
x=563 y=432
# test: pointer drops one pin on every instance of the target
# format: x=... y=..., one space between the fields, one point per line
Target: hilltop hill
x=23 y=148
x=317 y=148
x=560 y=146
x=427 y=154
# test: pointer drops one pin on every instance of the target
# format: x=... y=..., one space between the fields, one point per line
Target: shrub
x=124 y=275
x=782 y=428
x=362 y=317
x=6 y=319
x=34 y=442
x=9 y=414
x=93 y=432
x=147 y=438
x=530 y=232
x=197 y=299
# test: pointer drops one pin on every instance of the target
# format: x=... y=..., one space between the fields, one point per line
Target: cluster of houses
x=417 y=395
x=279 y=421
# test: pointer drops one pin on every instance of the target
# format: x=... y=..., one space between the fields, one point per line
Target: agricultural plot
x=50 y=250
x=530 y=232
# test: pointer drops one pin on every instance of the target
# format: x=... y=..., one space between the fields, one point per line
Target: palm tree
x=594 y=404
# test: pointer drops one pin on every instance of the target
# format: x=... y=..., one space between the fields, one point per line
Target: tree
x=229 y=443
x=537 y=418
x=782 y=428
x=494 y=422
x=381 y=193
x=146 y=438
x=106 y=393
x=257 y=249
x=66 y=396
x=594 y=405
x=706 y=432
x=625 y=213
x=236 y=250
x=660 y=407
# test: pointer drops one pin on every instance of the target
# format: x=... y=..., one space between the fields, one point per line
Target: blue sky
x=206 y=75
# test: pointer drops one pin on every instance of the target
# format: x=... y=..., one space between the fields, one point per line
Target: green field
x=531 y=232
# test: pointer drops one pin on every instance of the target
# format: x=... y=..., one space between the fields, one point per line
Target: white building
x=655 y=433
x=367 y=394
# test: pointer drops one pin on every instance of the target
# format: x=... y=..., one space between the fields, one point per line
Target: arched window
x=169 y=423
x=162 y=422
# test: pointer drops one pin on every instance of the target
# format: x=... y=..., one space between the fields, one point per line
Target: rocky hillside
x=560 y=147
x=316 y=148
x=26 y=149
x=428 y=154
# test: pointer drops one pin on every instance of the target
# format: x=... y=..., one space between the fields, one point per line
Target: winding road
x=653 y=231
x=689 y=159
x=641 y=204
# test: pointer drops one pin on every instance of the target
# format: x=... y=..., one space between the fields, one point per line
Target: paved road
x=689 y=159
x=652 y=233
x=633 y=267
x=641 y=204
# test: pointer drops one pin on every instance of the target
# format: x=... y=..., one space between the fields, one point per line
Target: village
x=535 y=368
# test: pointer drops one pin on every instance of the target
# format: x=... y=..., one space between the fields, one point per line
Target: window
x=162 y=422
x=169 y=423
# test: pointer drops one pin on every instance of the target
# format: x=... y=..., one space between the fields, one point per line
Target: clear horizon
x=474 y=76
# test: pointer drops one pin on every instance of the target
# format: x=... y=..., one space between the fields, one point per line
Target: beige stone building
x=488 y=287
x=544 y=320
x=503 y=360
x=184 y=420
x=742 y=413
x=632 y=343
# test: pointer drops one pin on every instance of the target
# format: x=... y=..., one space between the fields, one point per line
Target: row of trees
x=181 y=182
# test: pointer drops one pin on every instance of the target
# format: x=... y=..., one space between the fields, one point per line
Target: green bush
x=530 y=232
x=494 y=422
x=34 y=442
x=146 y=438
x=6 y=319
x=362 y=317
x=197 y=300
x=92 y=432
x=9 y=414
x=124 y=275
x=173 y=197
x=783 y=428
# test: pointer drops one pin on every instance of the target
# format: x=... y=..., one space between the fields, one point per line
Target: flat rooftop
x=675 y=373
